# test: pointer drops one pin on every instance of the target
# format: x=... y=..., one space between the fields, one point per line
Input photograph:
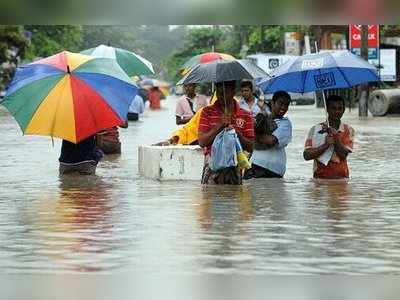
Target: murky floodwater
x=117 y=222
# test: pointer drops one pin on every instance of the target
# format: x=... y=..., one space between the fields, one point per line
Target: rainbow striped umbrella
x=204 y=58
x=131 y=63
x=70 y=96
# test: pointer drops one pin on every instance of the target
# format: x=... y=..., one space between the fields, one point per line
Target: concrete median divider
x=382 y=102
x=171 y=162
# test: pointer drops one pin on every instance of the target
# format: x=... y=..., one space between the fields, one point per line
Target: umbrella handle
x=326 y=110
x=323 y=94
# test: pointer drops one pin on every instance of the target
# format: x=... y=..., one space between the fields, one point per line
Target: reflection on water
x=117 y=222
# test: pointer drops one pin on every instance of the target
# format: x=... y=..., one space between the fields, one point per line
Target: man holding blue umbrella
x=330 y=146
x=331 y=140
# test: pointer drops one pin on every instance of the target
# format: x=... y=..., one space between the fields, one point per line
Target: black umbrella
x=222 y=70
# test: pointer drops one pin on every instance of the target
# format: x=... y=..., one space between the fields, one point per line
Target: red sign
x=355 y=36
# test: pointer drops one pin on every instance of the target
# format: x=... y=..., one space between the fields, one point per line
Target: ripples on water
x=117 y=222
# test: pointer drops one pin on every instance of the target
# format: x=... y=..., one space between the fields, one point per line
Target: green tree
x=115 y=36
x=196 y=41
x=47 y=40
x=13 y=44
x=390 y=30
x=237 y=40
x=152 y=42
x=270 y=38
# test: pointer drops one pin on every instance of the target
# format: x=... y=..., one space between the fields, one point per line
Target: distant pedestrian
x=136 y=108
x=189 y=104
x=249 y=101
x=155 y=97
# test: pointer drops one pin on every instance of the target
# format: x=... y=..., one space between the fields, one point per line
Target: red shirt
x=241 y=120
x=154 y=98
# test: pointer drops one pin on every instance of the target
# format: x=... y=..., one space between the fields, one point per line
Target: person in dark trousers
x=81 y=158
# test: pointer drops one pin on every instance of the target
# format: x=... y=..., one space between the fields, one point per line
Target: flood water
x=117 y=222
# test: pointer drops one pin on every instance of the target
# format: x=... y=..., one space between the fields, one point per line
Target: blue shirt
x=274 y=159
x=137 y=105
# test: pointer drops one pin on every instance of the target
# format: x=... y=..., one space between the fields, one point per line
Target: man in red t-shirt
x=225 y=112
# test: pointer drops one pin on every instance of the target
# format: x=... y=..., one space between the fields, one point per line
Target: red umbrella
x=204 y=58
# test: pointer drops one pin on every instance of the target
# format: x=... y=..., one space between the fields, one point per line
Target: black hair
x=334 y=98
x=281 y=94
x=230 y=82
x=246 y=83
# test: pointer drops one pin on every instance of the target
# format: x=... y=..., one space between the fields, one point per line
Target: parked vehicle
x=269 y=61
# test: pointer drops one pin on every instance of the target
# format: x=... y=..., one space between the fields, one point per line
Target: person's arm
x=283 y=133
x=281 y=136
x=181 y=120
x=206 y=138
x=314 y=152
x=247 y=144
x=171 y=141
x=341 y=150
x=267 y=140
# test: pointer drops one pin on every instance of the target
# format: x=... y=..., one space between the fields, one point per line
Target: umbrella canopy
x=318 y=71
x=222 y=70
x=70 y=96
x=130 y=62
x=204 y=58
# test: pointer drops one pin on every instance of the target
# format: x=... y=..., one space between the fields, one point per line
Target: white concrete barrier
x=382 y=102
x=171 y=162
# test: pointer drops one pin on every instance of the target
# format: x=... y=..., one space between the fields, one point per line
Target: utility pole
x=363 y=102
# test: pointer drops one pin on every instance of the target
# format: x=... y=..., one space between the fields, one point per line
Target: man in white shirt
x=249 y=101
x=188 y=104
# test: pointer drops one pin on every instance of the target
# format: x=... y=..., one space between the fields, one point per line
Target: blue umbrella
x=319 y=71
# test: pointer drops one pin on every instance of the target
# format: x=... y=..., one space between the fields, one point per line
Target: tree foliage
x=237 y=40
x=152 y=42
x=196 y=41
x=13 y=44
x=47 y=40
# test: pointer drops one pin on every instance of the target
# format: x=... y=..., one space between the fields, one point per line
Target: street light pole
x=363 y=102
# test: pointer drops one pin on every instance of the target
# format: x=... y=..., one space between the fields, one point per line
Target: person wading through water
x=225 y=112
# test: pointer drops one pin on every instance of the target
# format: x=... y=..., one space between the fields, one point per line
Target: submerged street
x=118 y=222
